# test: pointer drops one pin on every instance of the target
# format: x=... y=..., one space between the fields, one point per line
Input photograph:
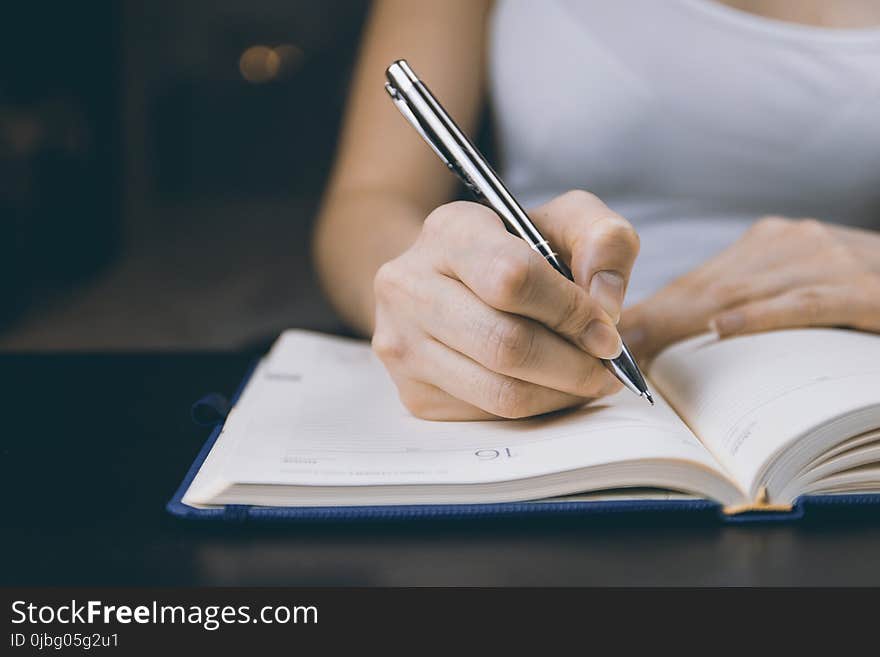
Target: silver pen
x=436 y=127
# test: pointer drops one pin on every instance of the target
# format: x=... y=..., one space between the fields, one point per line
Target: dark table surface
x=92 y=446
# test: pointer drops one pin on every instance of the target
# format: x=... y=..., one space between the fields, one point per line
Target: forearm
x=357 y=232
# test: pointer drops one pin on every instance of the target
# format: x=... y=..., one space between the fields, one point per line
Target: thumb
x=600 y=245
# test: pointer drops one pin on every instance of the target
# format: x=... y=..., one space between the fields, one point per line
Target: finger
x=398 y=353
x=494 y=393
x=431 y=403
x=774 y=255
x=599 y=243
x=512 y=345
x=824 y=305
x=508 y=275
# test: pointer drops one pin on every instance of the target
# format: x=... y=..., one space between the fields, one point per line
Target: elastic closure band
x=210 y=410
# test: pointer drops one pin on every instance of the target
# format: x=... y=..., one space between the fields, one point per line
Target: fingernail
x=728 y=323
x=602 y=340
x=607 y=288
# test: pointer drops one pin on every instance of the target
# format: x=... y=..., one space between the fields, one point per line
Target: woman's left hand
x=783 y=273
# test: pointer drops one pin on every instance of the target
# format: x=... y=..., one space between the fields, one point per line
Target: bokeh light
x=259 y=64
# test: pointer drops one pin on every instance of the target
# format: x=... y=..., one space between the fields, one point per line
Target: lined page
x=749 y=397
x=323 y=411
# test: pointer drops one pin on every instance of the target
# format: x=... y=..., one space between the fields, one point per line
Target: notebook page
x=323 y=411
x=748 y=397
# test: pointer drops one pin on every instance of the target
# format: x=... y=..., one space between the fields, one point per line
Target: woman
x=706 y=130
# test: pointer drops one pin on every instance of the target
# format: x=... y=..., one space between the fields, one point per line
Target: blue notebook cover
x=216 y=405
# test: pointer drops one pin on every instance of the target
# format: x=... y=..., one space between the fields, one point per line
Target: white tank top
x=688 y=117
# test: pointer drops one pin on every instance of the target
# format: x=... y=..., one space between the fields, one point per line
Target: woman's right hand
x=473 y=324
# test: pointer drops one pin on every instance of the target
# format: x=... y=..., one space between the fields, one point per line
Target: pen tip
x=647 y=395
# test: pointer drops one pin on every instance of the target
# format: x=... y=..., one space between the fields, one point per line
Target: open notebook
x=749 y=423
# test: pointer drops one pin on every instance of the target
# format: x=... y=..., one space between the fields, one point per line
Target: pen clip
x=404 y=108
x=402 y=104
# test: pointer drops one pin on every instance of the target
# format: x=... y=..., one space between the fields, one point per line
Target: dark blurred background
x=160 y=166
